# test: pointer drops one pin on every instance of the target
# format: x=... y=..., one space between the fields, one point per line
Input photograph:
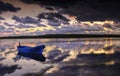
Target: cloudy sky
x=38 y=17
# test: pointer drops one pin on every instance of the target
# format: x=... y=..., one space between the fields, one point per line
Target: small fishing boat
x=32 y=52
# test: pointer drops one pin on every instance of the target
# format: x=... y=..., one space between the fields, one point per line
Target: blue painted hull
x=27 y=49
x=32 y=52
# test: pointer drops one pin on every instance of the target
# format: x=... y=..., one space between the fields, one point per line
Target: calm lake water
x=64 y=57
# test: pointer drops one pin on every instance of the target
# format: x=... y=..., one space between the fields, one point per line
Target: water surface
x=64 y=57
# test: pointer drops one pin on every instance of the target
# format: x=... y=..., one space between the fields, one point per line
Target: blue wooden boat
x=32 y=52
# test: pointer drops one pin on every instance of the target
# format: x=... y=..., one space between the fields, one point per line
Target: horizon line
x=65 y=36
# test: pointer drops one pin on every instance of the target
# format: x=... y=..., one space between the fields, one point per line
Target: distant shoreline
x=64 y=36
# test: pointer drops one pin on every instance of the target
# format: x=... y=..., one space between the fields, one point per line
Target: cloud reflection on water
x=83 y=56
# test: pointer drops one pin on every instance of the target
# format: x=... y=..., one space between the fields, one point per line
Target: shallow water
x=64 y=57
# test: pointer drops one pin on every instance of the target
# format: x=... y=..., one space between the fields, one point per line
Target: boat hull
x=32 y=52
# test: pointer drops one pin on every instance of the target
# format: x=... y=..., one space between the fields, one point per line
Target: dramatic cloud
x=4 y=7
x=50 y=16
x=65 y=56
x=94 y=70
x=94 y=11
x=57 y=3
x=109 y=26
x=84 y=10
x=49 y=8
x=24 y=26
x=2 y=28
x=56 y=56
x=7 y=69
x=1 y=18
x=30 y=20
x=25 y=20
x=53 y=19
x=2 y=59
x=40 y=17
x=7 y=24
x=78 y=29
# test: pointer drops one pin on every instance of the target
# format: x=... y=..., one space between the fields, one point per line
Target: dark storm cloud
x=54 y=23
x=52 y=16
x=49 y=8
x=4 y=7
x=25 y=20
x=85 y=10
x=54 y=19
x=1 y=18
x=17 y=19
x=7 y=69
x=94 y=10
x=56 y=3
x=30 y=20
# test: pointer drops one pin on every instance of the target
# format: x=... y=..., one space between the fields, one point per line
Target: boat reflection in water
x=32 y=52
x=63 y=57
